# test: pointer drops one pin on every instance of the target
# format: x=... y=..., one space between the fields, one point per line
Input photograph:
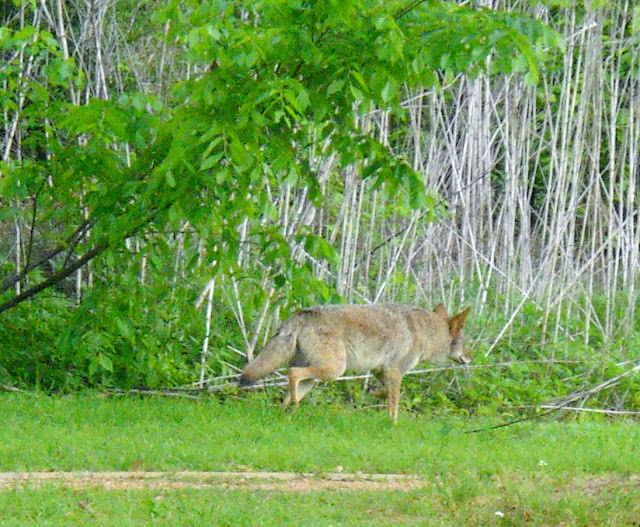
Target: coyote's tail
x=278 y=352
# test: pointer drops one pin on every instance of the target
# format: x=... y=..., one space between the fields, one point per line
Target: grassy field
x=575 y=473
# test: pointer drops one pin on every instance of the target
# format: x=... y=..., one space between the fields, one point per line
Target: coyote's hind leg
x=301 y=379
x=326 y=358
x=303 y=389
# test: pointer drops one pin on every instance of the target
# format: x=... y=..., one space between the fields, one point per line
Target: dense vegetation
x=178 y=177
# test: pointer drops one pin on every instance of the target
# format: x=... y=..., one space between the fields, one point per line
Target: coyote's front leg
x=393 y=381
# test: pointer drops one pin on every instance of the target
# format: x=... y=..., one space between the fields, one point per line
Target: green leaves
x=390 y=41
x=390 y=90
x=287 y=71
x=335 y=86
x=105 y=362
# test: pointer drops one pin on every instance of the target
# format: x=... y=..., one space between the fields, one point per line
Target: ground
x=269 y=481
x=278 y=481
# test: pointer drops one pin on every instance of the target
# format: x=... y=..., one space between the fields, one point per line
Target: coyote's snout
x=322 y=342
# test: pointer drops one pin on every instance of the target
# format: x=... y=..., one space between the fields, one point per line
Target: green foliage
x=109 y=340
x=127 y=343
x=26 y=356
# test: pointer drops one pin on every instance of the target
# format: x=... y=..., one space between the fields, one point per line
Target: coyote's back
x=322 y=342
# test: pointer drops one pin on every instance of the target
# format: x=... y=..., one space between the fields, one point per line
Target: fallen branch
x=583 y=394
x=8 y=388
x=578 y=409
x=564 y=403
x=162 y=393
x=282 y=377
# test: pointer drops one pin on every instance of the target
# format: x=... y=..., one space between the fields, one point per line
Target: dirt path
x=276 y=481
x=270 y=481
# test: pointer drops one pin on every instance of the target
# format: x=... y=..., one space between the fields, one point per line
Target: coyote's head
x=457 y=352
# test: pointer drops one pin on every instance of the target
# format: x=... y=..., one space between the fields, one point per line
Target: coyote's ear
x=441 y=310
x=457 y=322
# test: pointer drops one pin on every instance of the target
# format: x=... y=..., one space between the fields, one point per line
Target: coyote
x=390 y=339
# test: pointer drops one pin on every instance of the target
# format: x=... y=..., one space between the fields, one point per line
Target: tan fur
x=322 y=342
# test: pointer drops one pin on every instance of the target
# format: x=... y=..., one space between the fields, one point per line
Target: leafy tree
x=275 y=84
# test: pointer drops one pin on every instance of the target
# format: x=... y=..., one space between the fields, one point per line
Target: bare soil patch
x=271 y=481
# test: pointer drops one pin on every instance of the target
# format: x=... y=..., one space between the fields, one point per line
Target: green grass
x=518 y=505
x=538 y=473
x=90 y=433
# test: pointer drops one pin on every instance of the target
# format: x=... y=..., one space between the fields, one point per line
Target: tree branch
x=57 y=277
x=72 y=241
